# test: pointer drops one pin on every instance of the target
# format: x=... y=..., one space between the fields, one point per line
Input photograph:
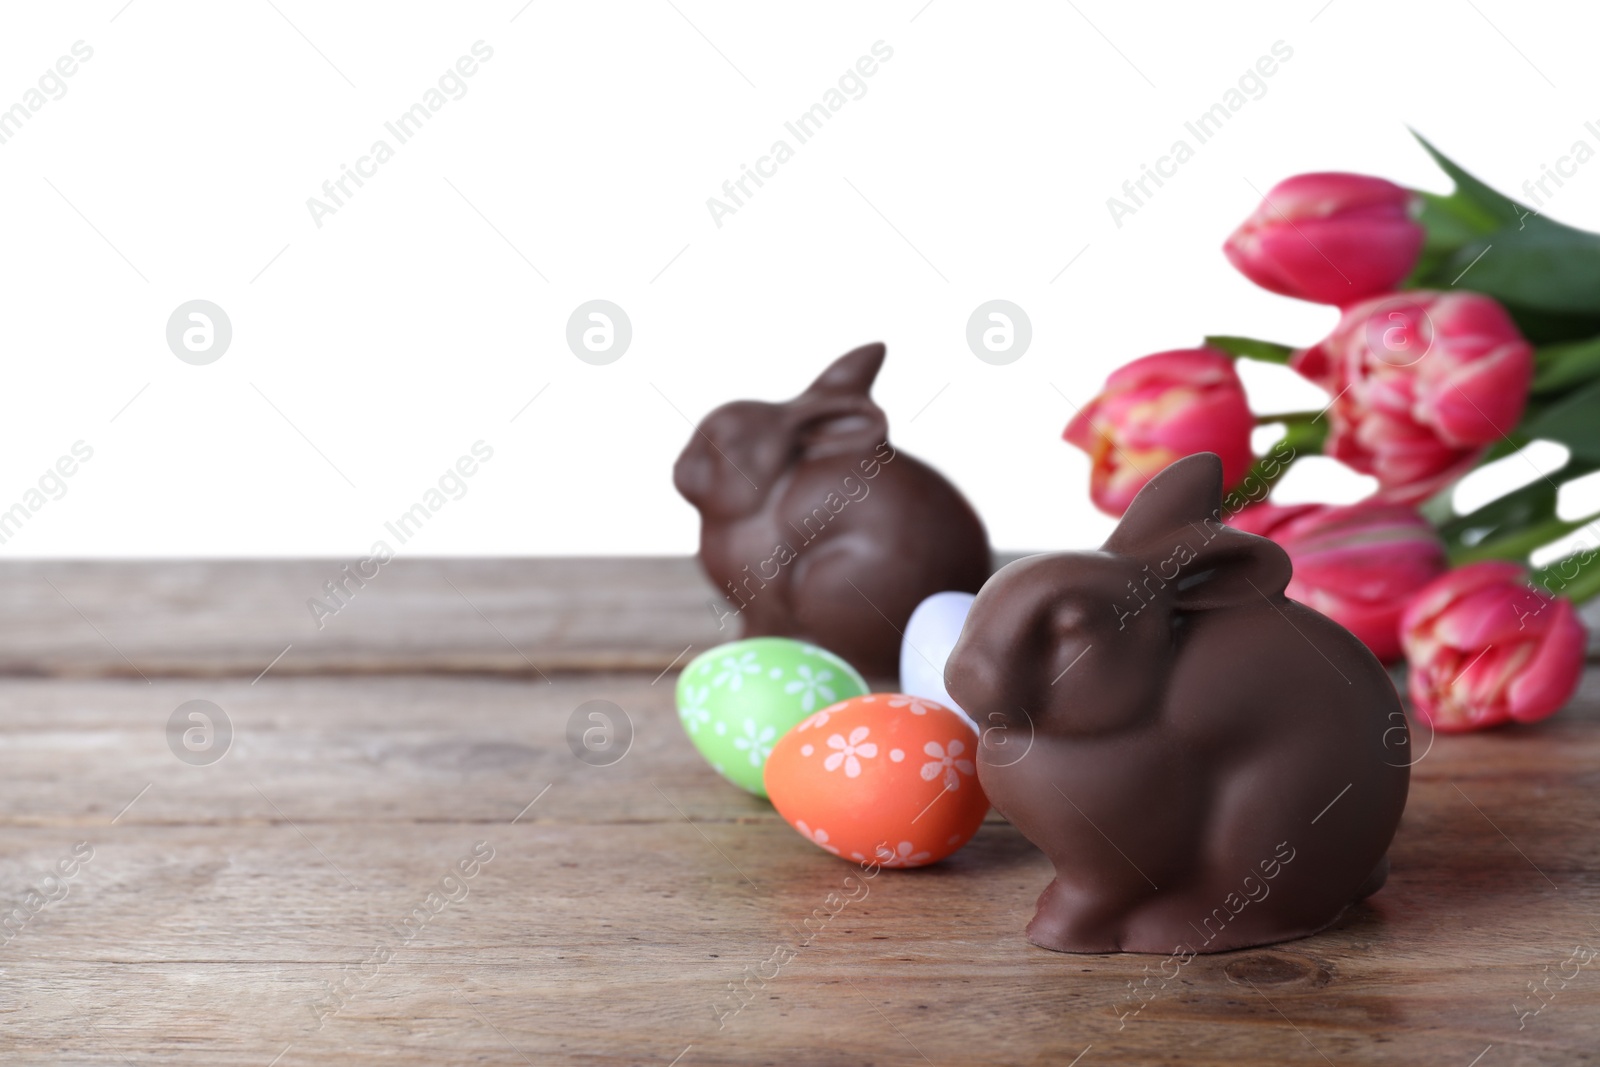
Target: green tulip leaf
x=1563 y=366
x=1550 y=268
x=1475 y=200
x=1483 y=240
x=1531 y=504
x=1549 y=328
x=1573 y=421
x=1448 y=224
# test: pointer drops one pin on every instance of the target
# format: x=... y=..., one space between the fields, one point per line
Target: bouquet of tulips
x=1469 y=327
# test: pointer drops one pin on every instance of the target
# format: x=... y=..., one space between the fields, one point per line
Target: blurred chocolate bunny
x=1208 y=764
x=814 y=527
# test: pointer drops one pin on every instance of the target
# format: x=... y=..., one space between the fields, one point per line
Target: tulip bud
x=1359 y=565
x=1485 y=648
x=1422 y=383
x=1159 y=409
x=1330 y=238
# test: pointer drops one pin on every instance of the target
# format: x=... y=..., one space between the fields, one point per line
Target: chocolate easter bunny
x=1208 y=764
x=814 y=527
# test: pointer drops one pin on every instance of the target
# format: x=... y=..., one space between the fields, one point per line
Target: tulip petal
x=1156 y=410
x=1332 y=238
x=1081 y=430
x=1552 y=676
x=1485 y=400
x=1458 y=583
x=1494 y=615
x=1422 y=383
x=1264 y=520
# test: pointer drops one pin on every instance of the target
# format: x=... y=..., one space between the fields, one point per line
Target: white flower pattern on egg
x=850 y=752
x=733 y=671
x=757 y=744
x=694 y=712
x=821 y=718
x=813 y=688
x=818 y=837
x=917 y=705
x=946 y=760
x=903 y=856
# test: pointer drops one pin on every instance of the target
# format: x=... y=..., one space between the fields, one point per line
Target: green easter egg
x=737 y=699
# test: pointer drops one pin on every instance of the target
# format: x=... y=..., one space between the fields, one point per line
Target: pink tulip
x=1486 y=647
x=1331 y=238
x=1422 y=383
x=1359 y=565
x=1158 y=409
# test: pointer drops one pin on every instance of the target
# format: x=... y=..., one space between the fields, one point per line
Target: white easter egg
x=930 y=635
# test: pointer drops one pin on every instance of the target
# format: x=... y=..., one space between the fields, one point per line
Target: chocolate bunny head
x=1169 y=559
x=814 y=527
x=741 y=449
x=1208 y=764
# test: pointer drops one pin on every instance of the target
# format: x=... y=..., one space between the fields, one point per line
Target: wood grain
x=226 y=902
x=606 y=926
x=234 y=617
x=217 y=618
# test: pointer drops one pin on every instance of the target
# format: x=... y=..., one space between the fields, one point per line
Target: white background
x=415 y=321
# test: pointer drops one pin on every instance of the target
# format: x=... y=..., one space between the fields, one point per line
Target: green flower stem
x=1288 y=418
x=1518 y=503
x=1534 y=502
x=1305 y=437
x=1512 y=442
x=1516 y=546
x=1302 y=439
x=1250 y=348
x=1576 y=577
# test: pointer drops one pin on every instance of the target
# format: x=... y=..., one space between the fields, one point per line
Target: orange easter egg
x=883 y=777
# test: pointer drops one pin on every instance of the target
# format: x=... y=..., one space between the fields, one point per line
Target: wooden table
x=302 y=899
